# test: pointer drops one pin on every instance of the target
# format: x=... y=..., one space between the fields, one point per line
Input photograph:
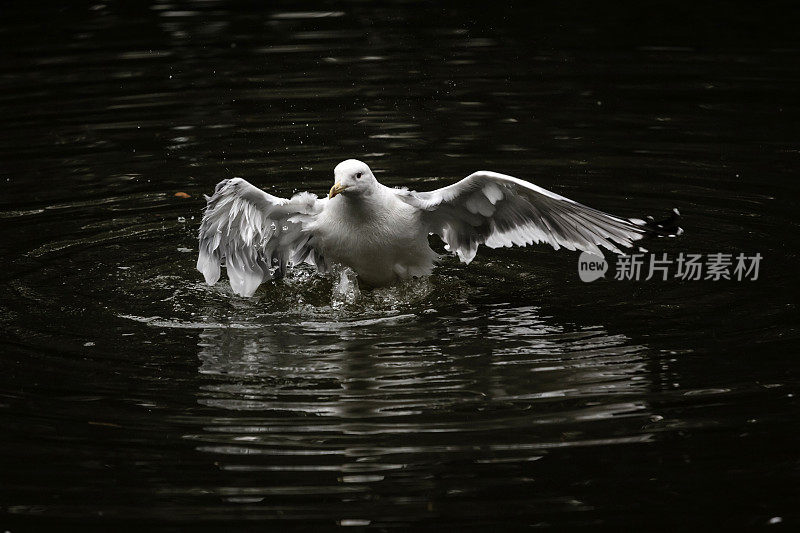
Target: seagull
x=381 y=233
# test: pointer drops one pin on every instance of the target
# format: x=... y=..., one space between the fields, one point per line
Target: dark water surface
x=503 y=394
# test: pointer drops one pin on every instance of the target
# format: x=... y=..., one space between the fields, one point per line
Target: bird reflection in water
x=356 y=403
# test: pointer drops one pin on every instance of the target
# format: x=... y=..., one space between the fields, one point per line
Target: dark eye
x=358 y=175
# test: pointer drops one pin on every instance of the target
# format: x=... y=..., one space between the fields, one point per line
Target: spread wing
x=499 y=210
x=255 y=235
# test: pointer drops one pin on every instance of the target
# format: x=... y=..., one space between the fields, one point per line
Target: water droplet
x=345 y=289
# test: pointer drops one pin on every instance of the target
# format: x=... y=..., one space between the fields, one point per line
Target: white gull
x=382 y=232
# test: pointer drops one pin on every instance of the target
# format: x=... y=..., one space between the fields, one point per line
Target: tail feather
x=667 y=227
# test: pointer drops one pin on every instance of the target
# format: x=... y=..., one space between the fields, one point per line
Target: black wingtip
x=664 y=228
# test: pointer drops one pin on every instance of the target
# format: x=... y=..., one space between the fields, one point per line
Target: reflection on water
x=501 y=394
x=375 y=402
x=369 y=368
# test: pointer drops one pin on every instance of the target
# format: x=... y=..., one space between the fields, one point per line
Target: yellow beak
x=336 y=189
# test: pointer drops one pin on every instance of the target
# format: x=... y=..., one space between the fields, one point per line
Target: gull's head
x=352 y=178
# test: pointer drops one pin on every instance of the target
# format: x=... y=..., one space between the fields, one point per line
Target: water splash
x=345 y=288
x=303 y=294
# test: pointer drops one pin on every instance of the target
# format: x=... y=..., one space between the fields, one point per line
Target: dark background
x=501 y=395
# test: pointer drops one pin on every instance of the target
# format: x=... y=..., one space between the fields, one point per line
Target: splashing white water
x=345 y=288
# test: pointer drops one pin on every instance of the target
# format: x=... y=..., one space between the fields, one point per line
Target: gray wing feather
x=255 y=235
x=499 y=210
